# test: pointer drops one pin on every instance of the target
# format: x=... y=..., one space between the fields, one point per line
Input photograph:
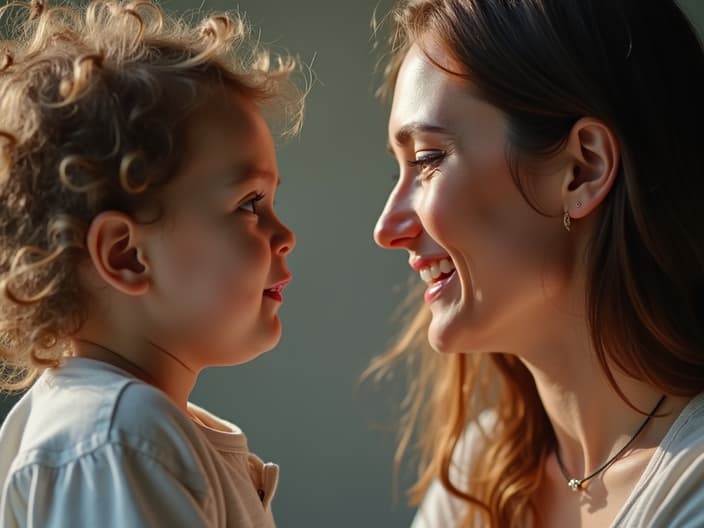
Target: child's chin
x=252 y=354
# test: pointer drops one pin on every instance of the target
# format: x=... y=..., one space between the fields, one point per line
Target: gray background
x=301 y=404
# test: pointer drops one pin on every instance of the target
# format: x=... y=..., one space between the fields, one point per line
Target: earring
x=567 y=221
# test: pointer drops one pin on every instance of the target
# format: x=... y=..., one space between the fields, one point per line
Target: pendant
x=574 y=484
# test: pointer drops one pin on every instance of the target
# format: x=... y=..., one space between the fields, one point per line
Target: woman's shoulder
x=682 y=449
x=670 y=492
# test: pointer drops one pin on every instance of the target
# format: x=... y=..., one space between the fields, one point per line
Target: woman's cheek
x=445 y=209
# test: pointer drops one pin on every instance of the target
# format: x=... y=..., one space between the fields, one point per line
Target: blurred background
x=302 y=405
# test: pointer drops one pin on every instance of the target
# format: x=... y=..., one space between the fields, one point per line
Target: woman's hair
x=93 y=105
x=638 y=67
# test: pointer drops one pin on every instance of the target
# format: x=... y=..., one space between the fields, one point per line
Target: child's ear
x=116 y=254
x=595 y=160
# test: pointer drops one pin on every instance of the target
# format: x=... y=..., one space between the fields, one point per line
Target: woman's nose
x=398 y=224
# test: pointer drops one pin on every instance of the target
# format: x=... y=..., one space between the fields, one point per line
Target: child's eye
x=251 y=204
x=427 y=160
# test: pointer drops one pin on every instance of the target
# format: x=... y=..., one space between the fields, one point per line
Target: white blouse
x=90 y=445
x=669 y=494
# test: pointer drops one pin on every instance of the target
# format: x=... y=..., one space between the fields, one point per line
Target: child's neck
x=144 y=360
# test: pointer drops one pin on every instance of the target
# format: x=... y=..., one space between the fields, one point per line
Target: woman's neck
x=591 y=421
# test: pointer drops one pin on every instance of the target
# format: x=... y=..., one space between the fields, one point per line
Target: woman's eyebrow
x=407 y=131
x=404 y=134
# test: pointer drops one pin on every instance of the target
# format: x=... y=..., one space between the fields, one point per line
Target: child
x=138 y=245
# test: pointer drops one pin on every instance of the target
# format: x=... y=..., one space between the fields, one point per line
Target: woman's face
x=496 y=269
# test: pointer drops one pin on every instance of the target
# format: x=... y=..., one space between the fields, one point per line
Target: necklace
x=576 y=484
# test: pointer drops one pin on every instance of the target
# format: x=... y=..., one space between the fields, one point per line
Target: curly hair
x=92 y=103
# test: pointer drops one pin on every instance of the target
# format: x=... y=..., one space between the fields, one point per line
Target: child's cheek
x=226 y=271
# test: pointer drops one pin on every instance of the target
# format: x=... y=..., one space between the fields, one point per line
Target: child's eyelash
x=253 y=202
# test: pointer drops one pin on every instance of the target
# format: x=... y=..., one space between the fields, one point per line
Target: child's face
x=217 y=258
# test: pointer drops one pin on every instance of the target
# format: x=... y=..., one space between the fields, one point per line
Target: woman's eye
x=427 y=160
x=251 y=204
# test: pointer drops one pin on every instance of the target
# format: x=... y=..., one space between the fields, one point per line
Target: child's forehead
x=229 y=121
x=229 y=140
x=226 y=107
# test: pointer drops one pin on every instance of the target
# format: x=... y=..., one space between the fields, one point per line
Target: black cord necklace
x=576 y=484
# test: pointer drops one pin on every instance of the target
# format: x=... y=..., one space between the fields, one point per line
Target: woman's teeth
x=433 y=272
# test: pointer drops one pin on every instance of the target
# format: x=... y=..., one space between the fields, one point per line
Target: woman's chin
x=457 y=332
x=444 y=334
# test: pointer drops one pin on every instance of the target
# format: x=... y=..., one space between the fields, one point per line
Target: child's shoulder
x=85 y=405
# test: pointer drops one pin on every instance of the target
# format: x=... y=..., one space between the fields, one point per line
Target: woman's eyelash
x=428 y=160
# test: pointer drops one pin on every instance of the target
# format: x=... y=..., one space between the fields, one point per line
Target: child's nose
x=284 y=240
x=398 y=224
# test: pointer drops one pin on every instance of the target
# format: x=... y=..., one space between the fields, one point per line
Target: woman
x=548 y=195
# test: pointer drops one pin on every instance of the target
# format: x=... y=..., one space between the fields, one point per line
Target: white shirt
x=90 y=445
x=669 y=494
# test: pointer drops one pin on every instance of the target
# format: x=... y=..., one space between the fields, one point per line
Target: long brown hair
x=638 y=67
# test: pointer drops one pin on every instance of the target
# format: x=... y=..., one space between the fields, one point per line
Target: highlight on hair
x=545 y=64
x=91 y=101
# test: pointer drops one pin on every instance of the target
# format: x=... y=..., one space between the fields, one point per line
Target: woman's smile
x=437 y=273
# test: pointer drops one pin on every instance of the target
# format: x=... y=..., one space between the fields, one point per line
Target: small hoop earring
x=567 y=221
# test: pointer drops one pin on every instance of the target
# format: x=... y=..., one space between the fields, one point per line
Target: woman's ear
x=116 y=254
x=595 y=160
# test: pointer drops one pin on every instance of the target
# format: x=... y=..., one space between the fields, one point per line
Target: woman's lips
x=437 y=287
x=436 y=271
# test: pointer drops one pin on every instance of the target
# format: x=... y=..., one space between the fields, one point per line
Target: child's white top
x=90 y=445
x=670 y=492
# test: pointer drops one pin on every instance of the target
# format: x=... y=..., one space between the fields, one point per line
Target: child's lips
x=275 y=292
